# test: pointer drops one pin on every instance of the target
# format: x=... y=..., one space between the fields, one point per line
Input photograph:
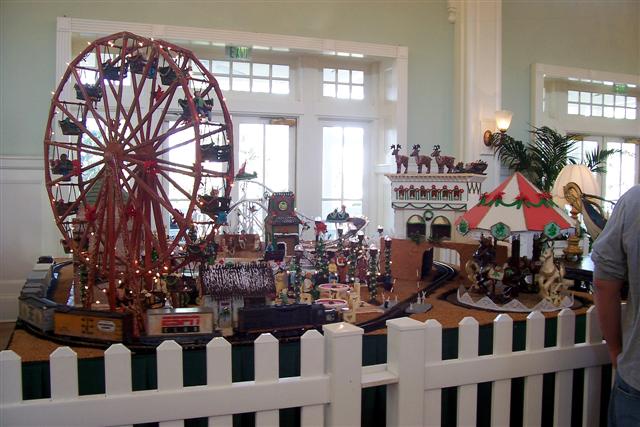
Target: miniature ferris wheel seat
x=215 y=153
x=68 y=127
x=62 y=208
x=213 y=205
x=137 y=64
x=114 y=71
x=94 y=92
x=167 y=75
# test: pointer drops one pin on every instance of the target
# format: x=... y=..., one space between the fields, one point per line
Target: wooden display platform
x=31 y=348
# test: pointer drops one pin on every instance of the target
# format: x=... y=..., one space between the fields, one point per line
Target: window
x=253 y=77
x=343 y=83
x=89 y=69
x=621 y=167
x=342 y=169
x=267 y=150
x=608 y=105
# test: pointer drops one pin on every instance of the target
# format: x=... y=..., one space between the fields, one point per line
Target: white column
x=477 y=78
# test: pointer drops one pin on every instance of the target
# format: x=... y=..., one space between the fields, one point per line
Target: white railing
x=331 y=379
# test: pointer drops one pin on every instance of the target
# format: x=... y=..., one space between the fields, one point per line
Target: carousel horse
x=550 y=278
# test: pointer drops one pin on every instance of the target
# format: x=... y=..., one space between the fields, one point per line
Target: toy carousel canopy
x=515 y=206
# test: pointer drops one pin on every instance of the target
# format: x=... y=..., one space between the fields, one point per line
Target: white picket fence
x=331 y=379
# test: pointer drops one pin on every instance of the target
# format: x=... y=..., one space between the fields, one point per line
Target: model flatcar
x=284 y=318
x=93 y=325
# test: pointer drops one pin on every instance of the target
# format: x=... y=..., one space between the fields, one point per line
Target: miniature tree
x=372 y=274
x=321 y=262
x=352 y=259
x=388 y=280
x=296 y=268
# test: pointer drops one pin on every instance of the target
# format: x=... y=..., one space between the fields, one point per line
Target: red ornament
x=90 y=213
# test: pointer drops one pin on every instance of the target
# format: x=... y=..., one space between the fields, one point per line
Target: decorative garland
x=546 y=199
x=444 y=206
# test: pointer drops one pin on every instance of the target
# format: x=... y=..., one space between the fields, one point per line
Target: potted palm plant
x=543 y=158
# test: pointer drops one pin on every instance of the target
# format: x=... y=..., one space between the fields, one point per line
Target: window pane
x=620 y=101
x=353 y=162
x=628 y=178
x=280 y=87
x=357 y=92
x=260 y=85
x=332 y=162
x=588 y=147
x=240 y=84
x=596 y=98
x=585 y=110
x=612 y=189
x=220 y=67
x=608 y=100
x=343 y=76
x=631 y=102
x=585 y=97
x=261 y=70
x=181 y=155
x=608 y=112
x=357 y=77
x=329 y=75
x=572 y=109
x=241 y=68
x=596 y=111
x=280 y=71
x=250 y=149
x=631 y=114
x=223 y=82
x=573 y=96
x=620 y=113
x=353 y=207
x=343 y=92
x=329 y=89
x=277 y=157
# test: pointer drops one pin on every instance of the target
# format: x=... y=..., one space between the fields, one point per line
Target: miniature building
x=282 y=225
x=428 y=205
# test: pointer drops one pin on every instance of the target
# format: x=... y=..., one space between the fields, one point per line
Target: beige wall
x=601 y=35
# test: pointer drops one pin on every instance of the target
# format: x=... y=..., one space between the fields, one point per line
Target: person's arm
x=607 y=299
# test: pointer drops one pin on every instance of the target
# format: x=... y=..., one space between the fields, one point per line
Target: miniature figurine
x=550 y=278
x=421 y=160
x=62 y=166
x=442 y=161
x=401 y=160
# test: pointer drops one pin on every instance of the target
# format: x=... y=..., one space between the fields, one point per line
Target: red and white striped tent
x=515 y=206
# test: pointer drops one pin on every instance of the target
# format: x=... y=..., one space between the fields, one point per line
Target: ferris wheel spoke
x=159 y=141
x=186 y=170
x=144 y=186
x=175 y=185
x=88 y=104
x=118 y=96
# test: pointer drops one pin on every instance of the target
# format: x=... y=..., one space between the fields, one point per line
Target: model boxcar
x=283 y=317
x=37 y=312
x=93 y=325
x=179 y=321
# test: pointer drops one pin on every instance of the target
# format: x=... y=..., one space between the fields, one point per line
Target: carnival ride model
x=137 y=190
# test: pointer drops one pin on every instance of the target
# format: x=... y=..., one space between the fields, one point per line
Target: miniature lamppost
x=380 y=229
x=297 y=270
x=388 y=281
x=372 y=274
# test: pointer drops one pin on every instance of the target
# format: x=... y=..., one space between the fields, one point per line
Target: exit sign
x=620 y=88
x=238 y=52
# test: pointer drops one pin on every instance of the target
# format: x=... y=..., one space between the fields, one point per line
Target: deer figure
x=400 y=159
x=421 y=160
x=443 y=161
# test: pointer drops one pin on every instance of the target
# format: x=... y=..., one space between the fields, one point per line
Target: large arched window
x=440 y=228
x=416 y=226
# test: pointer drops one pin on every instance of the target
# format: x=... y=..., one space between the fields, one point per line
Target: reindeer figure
x=421 y=160
x=400 y=159
x=443 y=161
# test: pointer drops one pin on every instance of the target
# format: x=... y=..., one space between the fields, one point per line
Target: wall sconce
x=503 y=121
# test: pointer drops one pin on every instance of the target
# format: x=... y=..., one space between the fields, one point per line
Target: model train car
x=284 y=318
x=37 y=312
x=93 y=325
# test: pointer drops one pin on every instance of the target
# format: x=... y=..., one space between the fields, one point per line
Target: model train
x=185 y=325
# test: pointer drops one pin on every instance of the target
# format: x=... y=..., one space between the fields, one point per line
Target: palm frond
x=596 y=160
x=513 y=154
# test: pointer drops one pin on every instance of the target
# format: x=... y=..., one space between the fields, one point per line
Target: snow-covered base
x=514 y=305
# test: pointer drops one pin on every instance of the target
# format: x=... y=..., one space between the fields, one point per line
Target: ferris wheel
x=138 y=171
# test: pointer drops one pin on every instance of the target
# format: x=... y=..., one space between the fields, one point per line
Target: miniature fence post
x=169 y=356
x=117 y=370
x=266 y=362
x=532 y=411
x=467 y=349
x=592 y=375
x=432 y=409
x=219 y=373
x=11 y=382
x=64 y=373
x=343 y=358
x=501 y=390
x=564 y=379
x=312 y=365
x=405 y=358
